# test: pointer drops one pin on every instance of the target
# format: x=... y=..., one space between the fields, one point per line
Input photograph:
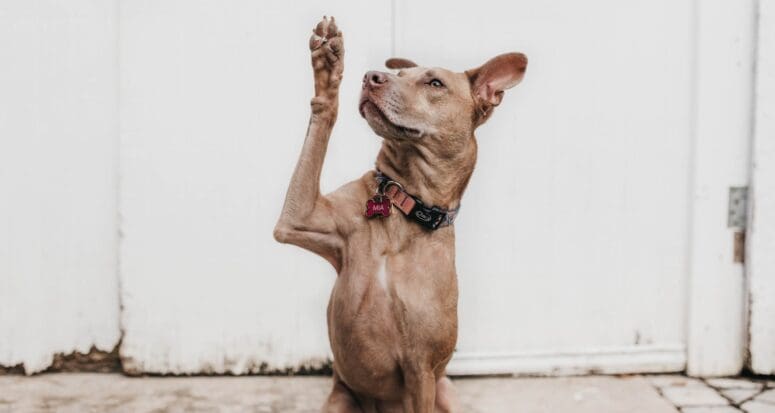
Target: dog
x=392 y=314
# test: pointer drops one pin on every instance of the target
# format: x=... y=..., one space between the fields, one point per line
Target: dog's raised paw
x=324 y=31
x=327 y=50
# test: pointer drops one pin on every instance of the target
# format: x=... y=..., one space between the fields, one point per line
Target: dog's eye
x=436 y=83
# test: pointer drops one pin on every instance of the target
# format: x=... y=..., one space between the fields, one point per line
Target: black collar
x=428 y=217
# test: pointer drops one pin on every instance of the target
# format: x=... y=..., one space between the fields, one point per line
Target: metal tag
x=379 y=206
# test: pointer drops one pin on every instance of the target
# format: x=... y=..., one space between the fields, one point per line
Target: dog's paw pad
x=326 y=33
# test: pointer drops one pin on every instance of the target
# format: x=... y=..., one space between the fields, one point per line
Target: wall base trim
x=615 y=360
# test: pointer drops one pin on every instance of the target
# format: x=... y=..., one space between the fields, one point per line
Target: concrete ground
x=67 y=392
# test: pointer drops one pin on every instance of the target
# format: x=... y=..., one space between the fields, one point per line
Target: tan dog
x=392 y=316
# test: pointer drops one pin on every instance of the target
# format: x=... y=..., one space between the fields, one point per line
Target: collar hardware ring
x=382 y=189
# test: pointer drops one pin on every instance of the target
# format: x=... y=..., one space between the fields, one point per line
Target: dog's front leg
x=420 y=394
x=307 y=219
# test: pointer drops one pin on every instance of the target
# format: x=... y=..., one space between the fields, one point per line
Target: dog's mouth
x=367 y=106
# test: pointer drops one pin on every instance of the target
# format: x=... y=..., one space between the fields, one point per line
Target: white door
x=572 y=242
x=600 y=195
x=578 y=235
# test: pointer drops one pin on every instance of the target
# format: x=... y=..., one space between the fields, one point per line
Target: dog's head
x=420 y=104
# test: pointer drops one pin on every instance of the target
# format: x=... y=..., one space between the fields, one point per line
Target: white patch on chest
x=382 y=275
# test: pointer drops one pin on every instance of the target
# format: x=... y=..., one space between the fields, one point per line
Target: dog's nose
x=374 y=79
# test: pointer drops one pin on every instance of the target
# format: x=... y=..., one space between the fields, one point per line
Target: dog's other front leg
x=307 y=219
x=420 y=396
x=446 y=396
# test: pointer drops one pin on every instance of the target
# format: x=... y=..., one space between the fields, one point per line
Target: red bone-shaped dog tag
x=378 y=206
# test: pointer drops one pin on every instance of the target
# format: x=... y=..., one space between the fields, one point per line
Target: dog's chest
x=395 y=302
x=400 y=274
x=381 y=273
x=397 y=289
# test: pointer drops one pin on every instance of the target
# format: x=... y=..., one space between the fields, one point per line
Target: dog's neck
x=436 y=180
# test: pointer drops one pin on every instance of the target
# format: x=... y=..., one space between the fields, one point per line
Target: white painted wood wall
x=615 y=156
x=215 y=102
x=58 y=169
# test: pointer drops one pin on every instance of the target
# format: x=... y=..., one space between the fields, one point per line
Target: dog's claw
x=320 y=30
x=333 y=31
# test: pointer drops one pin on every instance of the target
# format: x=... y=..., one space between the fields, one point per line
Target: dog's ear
x=399 y=63
x=489 y=80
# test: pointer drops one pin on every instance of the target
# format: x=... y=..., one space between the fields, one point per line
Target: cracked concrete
x=116 y=393
x=723 y=395
x=89 y=392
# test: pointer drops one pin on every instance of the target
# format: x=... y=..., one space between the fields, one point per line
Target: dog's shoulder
x=348 y=202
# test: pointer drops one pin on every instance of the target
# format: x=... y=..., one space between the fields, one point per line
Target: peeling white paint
x=58 y=141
